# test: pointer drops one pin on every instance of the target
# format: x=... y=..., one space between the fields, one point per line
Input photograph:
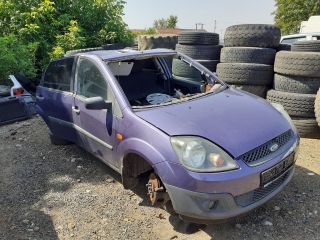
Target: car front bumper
x=203 y=207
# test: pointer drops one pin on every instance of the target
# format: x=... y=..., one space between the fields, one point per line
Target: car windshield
x=157 y=81
x=293 y=40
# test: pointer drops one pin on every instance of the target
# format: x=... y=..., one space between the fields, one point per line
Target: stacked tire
x=146 y=42
x=296 y=82
x=200 y=45
x=248 y=57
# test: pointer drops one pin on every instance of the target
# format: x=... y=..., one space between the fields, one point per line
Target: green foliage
x=170 y=22
x=56 y=26
x=16 y=57
x=290 y=13
x=71 y=39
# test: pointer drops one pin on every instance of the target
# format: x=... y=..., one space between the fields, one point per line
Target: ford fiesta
x=211 y=152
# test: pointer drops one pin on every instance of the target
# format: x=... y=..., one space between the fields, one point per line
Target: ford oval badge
x=274 y=147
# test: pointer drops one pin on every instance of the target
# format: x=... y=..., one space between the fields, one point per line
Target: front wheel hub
x=154 y=187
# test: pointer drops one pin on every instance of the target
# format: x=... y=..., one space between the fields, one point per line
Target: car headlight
x=200 y=155
x=281 y=109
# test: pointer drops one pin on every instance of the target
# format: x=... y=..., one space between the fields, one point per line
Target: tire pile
x=248 y=57
x=200 y=45
x=146 y=42
x=296 y=82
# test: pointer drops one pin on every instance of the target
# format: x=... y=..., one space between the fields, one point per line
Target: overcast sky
x=140 y=14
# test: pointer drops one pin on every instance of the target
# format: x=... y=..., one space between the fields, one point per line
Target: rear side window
x=58 y=74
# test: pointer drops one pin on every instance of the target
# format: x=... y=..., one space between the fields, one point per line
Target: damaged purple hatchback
x=212 y=152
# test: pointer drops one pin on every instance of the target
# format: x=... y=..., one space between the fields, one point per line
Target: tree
x=16 y=57
x=56 y=26
x=290 y=13
x=170 y=22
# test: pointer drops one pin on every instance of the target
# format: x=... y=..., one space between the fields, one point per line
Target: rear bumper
x=203 y=207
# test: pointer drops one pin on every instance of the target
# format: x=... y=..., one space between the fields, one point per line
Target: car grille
x=261 y=192
x=254 y=156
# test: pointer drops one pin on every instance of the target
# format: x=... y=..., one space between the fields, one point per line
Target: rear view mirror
x=97 y=103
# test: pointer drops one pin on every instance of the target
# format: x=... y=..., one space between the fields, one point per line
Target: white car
x=16 y=103
x=12 y=87
x=290 y=39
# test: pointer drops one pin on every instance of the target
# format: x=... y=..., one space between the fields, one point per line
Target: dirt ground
x=54 y=192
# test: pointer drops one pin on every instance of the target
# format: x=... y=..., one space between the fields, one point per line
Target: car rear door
x=55 y=98
x=97 y=128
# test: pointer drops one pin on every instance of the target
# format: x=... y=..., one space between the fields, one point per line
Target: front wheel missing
x=158 y=195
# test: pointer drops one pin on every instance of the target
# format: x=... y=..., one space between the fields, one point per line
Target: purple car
x=212 y=152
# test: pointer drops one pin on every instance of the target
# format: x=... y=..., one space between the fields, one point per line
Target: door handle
x=76 y=110
x=39 y=97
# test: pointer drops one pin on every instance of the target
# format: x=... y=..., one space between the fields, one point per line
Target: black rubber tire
x=317 y=107
x=306 y=46
x=248 y=55
x=72 y=52
x=58 y=141
x=201 y=52
x=210 y=64
x=284 y=47
x=182 y=69
x=198 y=38
x=245 y=73
x=252 y=35
x=306 y=64
x=157 y=41
x=260 y=91
x=307 y=127
x=296 y=84
x=296 y=104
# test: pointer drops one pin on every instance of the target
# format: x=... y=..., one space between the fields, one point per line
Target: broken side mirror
x=97 y=103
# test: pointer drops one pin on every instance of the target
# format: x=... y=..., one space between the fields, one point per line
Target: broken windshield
x=155 y=81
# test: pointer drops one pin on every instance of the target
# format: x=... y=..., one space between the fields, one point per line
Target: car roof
x=123 y=54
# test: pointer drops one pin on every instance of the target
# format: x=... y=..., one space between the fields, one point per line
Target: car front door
x=96 y=127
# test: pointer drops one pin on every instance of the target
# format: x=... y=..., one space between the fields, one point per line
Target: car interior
x=144 y=82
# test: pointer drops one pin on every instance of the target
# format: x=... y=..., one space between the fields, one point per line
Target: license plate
x=277 y=170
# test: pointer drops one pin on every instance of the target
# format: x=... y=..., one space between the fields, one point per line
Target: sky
x=140 y=14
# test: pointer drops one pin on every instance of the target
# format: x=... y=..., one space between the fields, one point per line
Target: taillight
x=18 y=91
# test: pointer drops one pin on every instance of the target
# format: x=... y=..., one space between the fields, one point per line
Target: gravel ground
x=54 y=192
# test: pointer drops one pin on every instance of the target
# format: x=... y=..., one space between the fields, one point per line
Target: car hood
x=236 y=121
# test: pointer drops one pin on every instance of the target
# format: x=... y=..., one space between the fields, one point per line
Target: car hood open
x=236 y=121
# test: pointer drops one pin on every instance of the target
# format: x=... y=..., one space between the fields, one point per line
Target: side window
x=58 y=74
x=90 y=81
